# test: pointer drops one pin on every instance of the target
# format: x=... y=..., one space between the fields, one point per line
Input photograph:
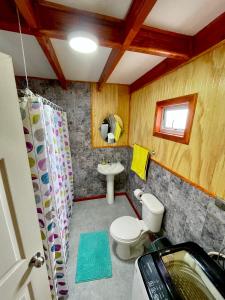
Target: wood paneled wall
x=112 y=99
x=203 y=160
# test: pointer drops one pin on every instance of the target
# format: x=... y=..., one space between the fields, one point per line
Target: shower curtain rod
x=45 y=101
x=28 y=92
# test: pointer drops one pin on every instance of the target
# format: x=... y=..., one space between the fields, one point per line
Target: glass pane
x=175 y=117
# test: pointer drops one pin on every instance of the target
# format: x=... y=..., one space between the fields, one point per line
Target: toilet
x=130 y=233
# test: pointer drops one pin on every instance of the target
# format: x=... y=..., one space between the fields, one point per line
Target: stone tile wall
x=76 y=101
x=190 y=213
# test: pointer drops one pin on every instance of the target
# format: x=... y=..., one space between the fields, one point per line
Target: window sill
x=183 y=139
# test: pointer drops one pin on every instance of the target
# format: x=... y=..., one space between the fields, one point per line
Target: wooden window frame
x=160 y=105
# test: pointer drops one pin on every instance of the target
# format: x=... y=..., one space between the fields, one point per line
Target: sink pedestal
x=110 y=189
x=110 y=170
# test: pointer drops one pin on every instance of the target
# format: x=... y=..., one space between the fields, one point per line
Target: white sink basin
x=110 y=170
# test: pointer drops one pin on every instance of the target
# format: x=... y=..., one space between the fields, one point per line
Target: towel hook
x=152 y=152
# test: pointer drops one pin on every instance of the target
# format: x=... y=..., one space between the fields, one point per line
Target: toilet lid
x=126 y=228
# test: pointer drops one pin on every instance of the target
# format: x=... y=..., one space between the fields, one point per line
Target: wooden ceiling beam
x=210 y=35
x=163 y=43
x=49 y=51
x=136 y=15
x=135 y=18
x=12 y=26
x=165 y=66
x=204 y=40
x=27 y=11
x=148 y=40
x=56 y=21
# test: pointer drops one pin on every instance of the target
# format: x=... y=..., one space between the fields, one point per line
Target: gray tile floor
x=97 y=215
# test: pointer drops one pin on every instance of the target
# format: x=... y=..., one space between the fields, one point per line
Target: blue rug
x=93 y=259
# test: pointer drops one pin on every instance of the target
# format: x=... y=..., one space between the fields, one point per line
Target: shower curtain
x=47 y=141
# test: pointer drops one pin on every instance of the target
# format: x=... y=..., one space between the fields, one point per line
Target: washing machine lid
x=182 y=271
x=189 y=279
x=126 y=228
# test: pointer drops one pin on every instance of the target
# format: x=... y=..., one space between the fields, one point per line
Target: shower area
x=47 y=142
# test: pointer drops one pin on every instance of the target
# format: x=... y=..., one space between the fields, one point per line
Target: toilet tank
x=152 y=212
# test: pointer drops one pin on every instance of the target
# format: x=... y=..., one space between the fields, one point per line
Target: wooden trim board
x=197 y=186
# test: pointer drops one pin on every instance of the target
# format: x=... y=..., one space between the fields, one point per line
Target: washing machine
x=182 y=271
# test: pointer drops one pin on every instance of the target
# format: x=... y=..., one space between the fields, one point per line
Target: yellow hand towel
x=140 y=161
x=117 y=131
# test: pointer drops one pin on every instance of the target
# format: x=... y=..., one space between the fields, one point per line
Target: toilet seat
x=126 y=229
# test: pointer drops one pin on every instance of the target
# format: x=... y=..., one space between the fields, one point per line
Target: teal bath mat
x=93 y=259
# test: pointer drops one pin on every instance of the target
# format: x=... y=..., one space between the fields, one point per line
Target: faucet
x=108 y=161
x=103 y=161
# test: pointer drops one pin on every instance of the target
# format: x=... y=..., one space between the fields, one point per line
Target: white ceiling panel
x=113 y=8
x=184 y=16
x=37 y=63
x=79 y=66
x=132 y=66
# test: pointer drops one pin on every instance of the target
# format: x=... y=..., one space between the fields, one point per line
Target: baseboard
x=95 y=197
x=102 y=196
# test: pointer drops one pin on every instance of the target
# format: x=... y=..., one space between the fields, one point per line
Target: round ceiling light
x=83 y=42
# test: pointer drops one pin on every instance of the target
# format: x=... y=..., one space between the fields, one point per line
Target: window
x=174 y=117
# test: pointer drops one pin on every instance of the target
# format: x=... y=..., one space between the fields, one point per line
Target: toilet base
x=125 y=252
x=128 y=251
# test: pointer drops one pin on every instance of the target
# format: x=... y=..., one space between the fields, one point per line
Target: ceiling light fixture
x=83 y=42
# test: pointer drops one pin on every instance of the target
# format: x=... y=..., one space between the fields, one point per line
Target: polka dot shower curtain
x=47 y=141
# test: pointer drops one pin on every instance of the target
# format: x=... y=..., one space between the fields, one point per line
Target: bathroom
x=132 y=182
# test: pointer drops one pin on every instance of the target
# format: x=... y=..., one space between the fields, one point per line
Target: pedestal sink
x=110 y=170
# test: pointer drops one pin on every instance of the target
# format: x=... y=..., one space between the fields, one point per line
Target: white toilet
x=130 y=234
